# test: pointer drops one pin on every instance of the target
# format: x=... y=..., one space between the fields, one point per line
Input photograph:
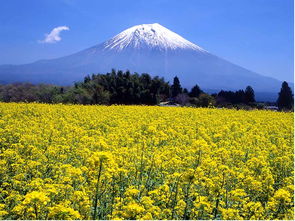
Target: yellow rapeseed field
x=141 y=162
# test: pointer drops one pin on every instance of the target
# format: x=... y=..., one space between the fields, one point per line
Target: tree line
x=118 y=87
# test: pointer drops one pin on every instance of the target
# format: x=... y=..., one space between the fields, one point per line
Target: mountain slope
x=149 y=48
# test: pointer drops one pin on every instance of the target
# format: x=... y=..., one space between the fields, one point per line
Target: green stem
x=185 y=215
x=96 y=191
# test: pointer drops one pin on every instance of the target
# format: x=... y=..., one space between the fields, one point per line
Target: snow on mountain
x=152 y=36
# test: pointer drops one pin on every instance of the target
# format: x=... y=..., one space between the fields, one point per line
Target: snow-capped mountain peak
x=151 y=36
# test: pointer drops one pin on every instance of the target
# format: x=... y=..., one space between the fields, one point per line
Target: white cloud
x=53 y=36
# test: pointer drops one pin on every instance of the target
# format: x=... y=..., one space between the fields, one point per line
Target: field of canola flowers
x=137 y=162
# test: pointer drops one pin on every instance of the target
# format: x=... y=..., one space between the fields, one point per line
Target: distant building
x=274 y=108
x=169 y=104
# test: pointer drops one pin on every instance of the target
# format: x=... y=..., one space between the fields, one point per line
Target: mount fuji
x=146 y=48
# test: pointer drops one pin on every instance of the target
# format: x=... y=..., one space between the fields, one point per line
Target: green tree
x=195 y=91
x=176 y=87
x=249 y=95
x=206 y=100
x=99 y=95
x=285 y=100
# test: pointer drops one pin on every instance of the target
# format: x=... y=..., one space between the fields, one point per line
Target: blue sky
x=256 y=34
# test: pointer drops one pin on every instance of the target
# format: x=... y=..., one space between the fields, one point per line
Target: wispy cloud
x=53 y=36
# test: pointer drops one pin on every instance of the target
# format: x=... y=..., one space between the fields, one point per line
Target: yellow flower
x=144 y=162
x=62 y=212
